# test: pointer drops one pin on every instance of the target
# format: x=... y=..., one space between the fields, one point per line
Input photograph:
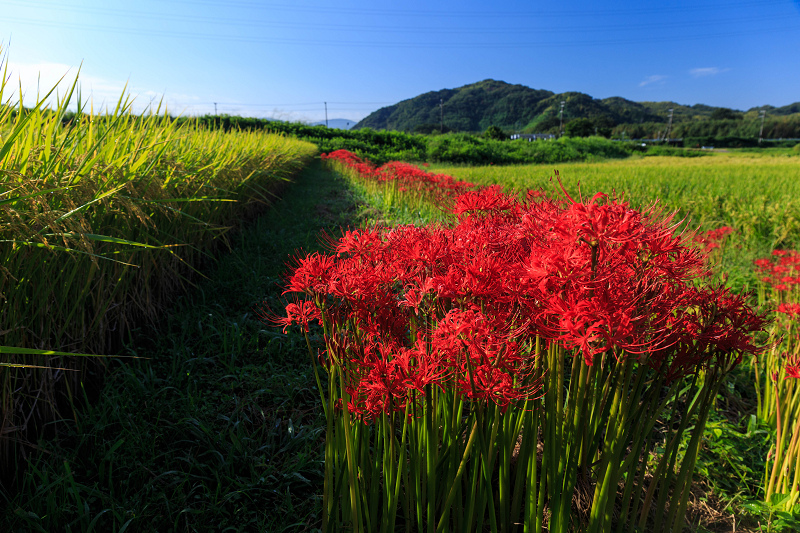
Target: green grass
x=220 y=428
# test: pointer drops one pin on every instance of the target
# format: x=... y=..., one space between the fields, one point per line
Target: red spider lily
x=359 y=242
x=408 y=178
x=712 y=239
x=782 y=271
x=487 y=199
x=595 y=276
x=309 y=274
x=792 y=367
x=300 y=312
x=792 y=310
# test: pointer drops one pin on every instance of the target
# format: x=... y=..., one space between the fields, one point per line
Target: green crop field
x=758 y=195
x=104 y=217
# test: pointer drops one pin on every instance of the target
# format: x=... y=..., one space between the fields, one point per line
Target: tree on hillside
x=723 y=113
x=579 y=127
x=494 y=132
x=543 y=124
x=603 y=125
x=429 y=128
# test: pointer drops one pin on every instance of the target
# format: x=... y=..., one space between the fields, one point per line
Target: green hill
x=475 y=107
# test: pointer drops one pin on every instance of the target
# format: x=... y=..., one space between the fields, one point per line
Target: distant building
x=530 y=137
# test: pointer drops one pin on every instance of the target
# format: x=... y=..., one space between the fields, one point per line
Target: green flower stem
x=430 y=433
x=776 y=461
x=330 y=451
x=457 y=479
x=351 y=459
x=612 y=441
x=315 y=365
x=670 y=455
x=710 y=387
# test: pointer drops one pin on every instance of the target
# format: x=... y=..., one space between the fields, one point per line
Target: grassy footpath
x=220 y=429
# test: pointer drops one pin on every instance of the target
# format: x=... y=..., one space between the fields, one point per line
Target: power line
x=682 y=9
x=386 y=44
x=526 y=29
x=291 y=104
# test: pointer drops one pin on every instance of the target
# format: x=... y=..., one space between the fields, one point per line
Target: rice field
x=756 y=194
x=103 y=218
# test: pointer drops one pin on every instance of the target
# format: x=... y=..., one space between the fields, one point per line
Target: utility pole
x=326 y=114
x=441 y=115
x=763 y=114
x=215 y=108
x=561 y=120
x=669 y=127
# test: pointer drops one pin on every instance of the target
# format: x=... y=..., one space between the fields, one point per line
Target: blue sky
x=285 y=58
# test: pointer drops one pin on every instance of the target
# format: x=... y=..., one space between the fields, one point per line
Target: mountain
x=473 y=107
x=477 y=106
x=778 y=111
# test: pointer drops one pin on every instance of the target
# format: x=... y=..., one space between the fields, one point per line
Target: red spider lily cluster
x=460 y=307
x=781 y=271
x=778 y=402
x=791 y=368
x=791 y=310
x=712 y=239
x=438 y=188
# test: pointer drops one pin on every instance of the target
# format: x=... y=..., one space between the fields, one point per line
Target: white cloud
x=655 y=78
x=36 y=80
x=707 y=71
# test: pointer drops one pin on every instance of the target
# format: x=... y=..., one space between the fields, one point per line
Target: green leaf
x=754 y=507
x=752 y=424
x=38 y=193
x=106 y=238
x=196 y=199
x=64 y=249
x=777 y=500
x=35 y=351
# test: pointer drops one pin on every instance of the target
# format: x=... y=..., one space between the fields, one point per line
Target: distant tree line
x=787 y=127
x=583 y=138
